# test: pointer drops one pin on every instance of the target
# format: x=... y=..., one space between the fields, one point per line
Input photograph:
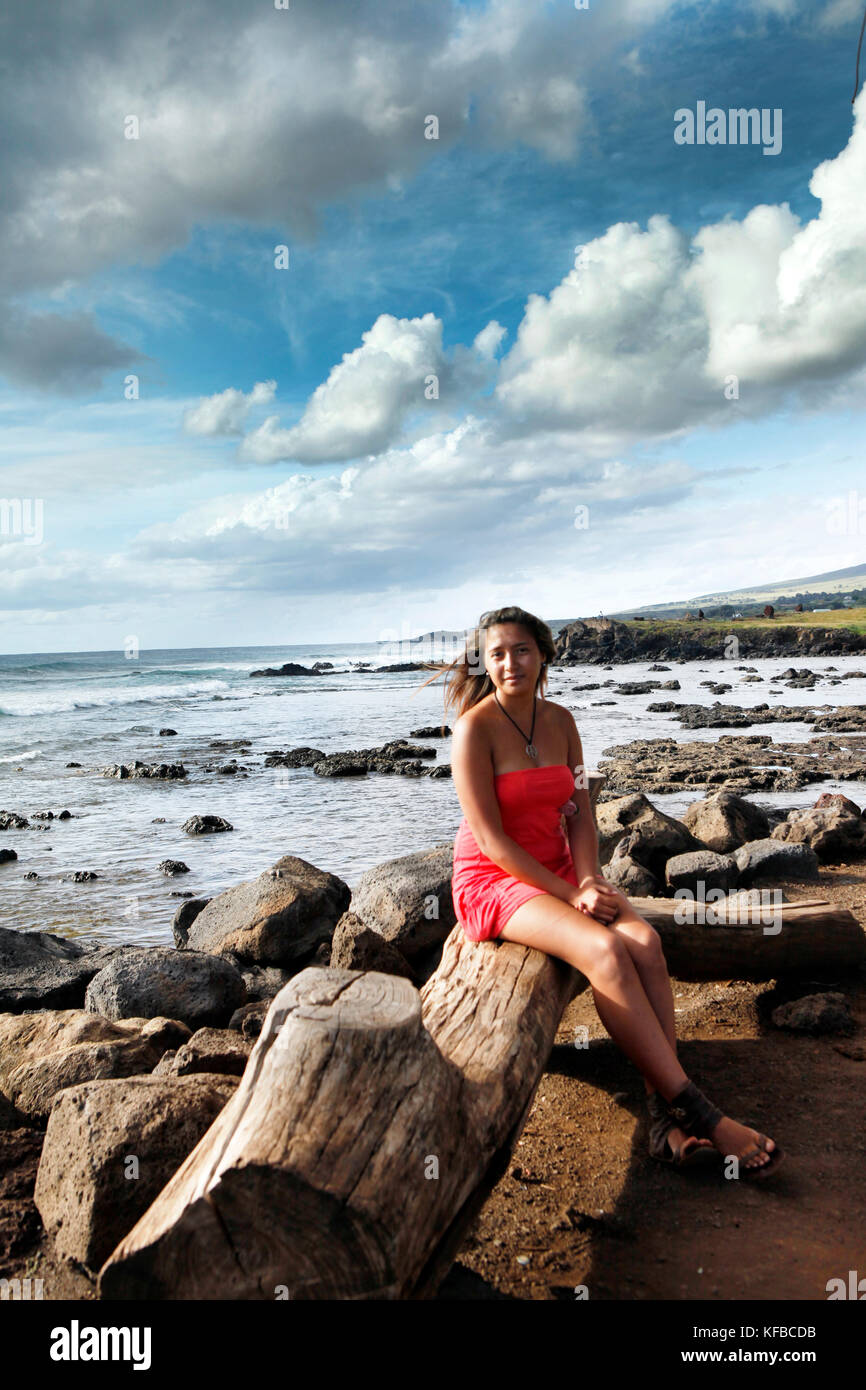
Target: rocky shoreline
x=600 y=641
x=126 y=1051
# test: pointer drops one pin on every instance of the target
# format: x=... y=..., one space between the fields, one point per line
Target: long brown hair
x=466 y=680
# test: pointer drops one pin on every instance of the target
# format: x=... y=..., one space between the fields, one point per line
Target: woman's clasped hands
x=597 y=898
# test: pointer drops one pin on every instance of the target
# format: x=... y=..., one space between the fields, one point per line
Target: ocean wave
x=20 y=757
x=26 y=704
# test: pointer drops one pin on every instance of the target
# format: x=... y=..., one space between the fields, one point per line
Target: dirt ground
x=582 y=1203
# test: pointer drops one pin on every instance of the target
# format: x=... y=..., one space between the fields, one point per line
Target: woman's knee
x=642 y=940
x=611 y=959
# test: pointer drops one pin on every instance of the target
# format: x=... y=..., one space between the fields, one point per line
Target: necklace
x=531 y=749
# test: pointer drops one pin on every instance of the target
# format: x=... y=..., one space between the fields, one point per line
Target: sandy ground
x=582 y=1203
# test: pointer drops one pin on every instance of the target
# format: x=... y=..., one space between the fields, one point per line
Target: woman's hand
x=597 y=898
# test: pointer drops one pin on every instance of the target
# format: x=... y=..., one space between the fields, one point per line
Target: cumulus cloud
x=783 y=301
x=648 y=327
x=399 y=372
x=486 y=343
x=226 y=412
x=129 y=130
x=263 y=114
x=460 y=499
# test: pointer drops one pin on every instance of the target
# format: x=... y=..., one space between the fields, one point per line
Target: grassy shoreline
x=852 y=619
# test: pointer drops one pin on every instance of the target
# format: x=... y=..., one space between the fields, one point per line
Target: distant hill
x=815 y=591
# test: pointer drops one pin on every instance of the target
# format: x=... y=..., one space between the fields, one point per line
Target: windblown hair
x=466 y=680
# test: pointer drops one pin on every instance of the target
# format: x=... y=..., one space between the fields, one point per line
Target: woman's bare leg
x=644 y=946
x=552 y=926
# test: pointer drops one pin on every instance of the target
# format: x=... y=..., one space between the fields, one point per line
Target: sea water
x=101 y=708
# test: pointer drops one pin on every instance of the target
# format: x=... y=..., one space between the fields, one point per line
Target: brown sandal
x=697 y=1115
x=760 y=1170
x=660 y=1146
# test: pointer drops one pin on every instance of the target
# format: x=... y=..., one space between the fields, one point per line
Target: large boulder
x=358 y=947
x=834 y=834
x=408 y=901
x=842 y=803
x=43 y=1053
x=660 y=836
x=194 y=986
x=771 y=858
x=726 y=821
x=701 y=867
x=41 y=971
x=632 y=878
x=110 y=1147
x=279 y=918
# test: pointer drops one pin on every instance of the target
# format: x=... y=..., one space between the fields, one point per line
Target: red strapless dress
x=530 y=799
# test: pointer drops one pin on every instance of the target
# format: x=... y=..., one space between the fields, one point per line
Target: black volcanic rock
x=598 y=641
x=288 y=668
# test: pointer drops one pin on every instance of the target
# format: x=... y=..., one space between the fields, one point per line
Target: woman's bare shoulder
x=471 y=731
x=473 y=717
x=561 y=713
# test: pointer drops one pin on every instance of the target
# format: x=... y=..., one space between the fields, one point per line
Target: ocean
x=100 y=708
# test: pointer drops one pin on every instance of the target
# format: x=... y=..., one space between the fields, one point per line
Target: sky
x=331 y=321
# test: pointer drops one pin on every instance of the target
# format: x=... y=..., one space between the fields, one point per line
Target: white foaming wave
x=20 y=757
x=62 y=702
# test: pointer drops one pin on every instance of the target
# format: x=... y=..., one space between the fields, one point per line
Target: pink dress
x=530 y=801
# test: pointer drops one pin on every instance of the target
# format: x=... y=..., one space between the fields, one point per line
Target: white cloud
x=644 y=332
x=279 y=113
x=837 y=13
x=400 y=373
x=226 y=412
x=486 y=343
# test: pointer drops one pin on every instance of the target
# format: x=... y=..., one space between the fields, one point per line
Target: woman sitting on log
x=526 y=870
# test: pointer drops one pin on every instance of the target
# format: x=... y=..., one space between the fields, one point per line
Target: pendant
x=531 y=750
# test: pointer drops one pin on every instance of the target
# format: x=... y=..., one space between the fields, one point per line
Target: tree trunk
x=755 y=943
x=369 y=1127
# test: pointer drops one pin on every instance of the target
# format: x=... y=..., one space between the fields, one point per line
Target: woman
x=526 y=869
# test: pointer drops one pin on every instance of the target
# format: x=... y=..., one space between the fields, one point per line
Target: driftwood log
x=369 y=1127
x=754 y=942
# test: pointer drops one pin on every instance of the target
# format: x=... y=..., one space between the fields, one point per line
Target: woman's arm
x=582 y=834
x=472 y=771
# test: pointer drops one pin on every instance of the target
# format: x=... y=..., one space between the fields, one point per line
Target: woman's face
x=512 y=659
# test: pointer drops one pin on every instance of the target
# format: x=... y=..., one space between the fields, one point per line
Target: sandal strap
x=661 y=1123
x=694 y=1112
x=658 y=1107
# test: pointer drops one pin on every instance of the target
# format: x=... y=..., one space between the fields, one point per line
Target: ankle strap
x=696 y=1113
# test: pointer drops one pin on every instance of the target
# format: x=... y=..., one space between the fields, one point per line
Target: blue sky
x=283 y=475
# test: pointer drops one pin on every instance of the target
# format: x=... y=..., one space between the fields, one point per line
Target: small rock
x=815 y=1013
x=206 y=825
x=173 y=867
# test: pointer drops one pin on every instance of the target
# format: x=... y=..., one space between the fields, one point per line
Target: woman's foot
x=686 y=1143
x=733 y=1139
x=668 y=1141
